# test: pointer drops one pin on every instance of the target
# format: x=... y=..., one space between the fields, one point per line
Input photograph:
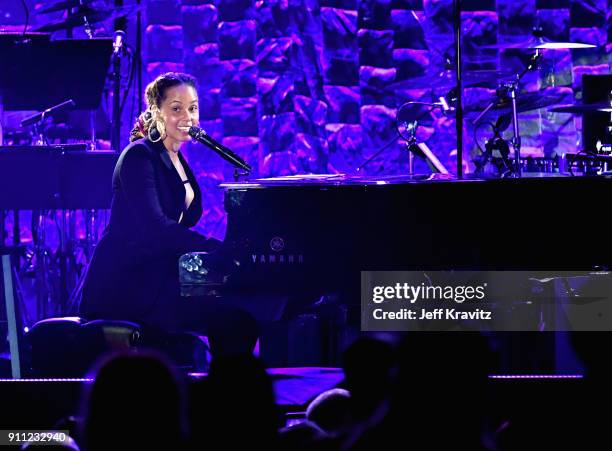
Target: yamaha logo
x=277 y=244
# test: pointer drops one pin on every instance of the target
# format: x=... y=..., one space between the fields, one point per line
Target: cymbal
x=446 y=80
x=526 y=101
x=16 y=35
x=578 y=108
x=540 y=43
x=91 y=16
x=64 y=5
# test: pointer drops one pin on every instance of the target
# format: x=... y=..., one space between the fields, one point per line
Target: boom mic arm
x=203 y=138
x=35 y=118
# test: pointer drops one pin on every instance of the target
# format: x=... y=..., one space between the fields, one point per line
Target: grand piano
x=303 y=237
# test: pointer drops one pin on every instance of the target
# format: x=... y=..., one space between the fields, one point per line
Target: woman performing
x=133 y=274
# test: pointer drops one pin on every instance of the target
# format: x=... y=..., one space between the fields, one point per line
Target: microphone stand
x=459 y=107
x=381 y=150
x=116 y=118
x=411 y=144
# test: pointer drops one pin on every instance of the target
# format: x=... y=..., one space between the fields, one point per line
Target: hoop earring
x=149 y=134
x=161 y=128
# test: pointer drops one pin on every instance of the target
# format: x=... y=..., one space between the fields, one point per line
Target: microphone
x=118 y=41
x=35 y=118
x=203 y=138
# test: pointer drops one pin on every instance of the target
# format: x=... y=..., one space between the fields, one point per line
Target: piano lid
x=335 y=180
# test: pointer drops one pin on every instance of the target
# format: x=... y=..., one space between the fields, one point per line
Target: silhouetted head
x=331 y=410
x=134 y=401
x=368 y=366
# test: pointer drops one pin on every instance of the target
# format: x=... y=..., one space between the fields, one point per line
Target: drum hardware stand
x=92 y=128
x=67 y=261
x=496 y=151
x=72 y=302
x=91 y=232
x=510 y=89
x=42 y=267
x=238 y=174
x=39 y=133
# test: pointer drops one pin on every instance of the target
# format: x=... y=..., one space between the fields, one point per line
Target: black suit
x=133 y=274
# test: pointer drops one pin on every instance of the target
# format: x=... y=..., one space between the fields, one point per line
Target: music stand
x=37 y=74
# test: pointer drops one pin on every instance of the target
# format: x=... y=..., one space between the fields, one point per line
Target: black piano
x=304 y=237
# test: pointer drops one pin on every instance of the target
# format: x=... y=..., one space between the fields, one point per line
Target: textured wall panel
x=343 y=104
x=164 y=43
x=345 y=147
x=339 y=31
x=374 y=86
x=277 y=133
x=276 y=94
x=204 y=61
x=210 y=103
x=378 y=123
x=555 y=23
x=235 y=10
x=407 y=30
x=311 y=116
x=516 y=18
x=163 y=12
x=588 y=13
x=375 y=14
x=199 y=24
x=155 y=69
x=410 y=63
x=237 y=39
x=275 y=55
x=239 y=116
x=239 y=78
x=376 y=48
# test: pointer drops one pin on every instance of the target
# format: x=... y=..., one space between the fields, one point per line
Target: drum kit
x=84 y=13
x=500 y=112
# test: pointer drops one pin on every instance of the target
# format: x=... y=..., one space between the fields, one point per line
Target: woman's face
x=179 y=111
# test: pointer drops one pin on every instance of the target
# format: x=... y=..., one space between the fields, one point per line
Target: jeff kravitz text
x=396 y=296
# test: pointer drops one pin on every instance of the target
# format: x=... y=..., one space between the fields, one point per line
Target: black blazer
x=135 y=262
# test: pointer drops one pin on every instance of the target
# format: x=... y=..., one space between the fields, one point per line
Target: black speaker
x=596 y=126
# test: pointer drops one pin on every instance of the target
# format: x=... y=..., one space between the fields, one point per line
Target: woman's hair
x=155 y=94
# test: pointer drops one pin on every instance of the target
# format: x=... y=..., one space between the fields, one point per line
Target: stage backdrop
x=299 y=86
x=304 y=85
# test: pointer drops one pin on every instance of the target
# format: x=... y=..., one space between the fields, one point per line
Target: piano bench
x=54 y=348
x=70 y=346
x=103 y=336
x=186 y=351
